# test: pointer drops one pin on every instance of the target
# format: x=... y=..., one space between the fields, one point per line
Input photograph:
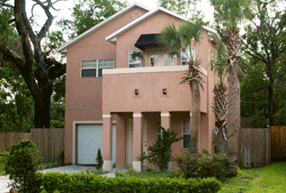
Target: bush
x=99 y=160
x=206 y=165
x=22 y=164
x=80 y=182
x=125 y=173
x=160 y=152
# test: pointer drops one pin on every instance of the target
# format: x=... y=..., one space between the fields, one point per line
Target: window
x=154 y=60
x=159 y=130
x=186 y=134
x=132 y=63
x=185 y=55
x=93 y=68
x=168 y=60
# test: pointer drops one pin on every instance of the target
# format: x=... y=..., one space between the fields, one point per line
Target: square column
x=137 y=140
x=166 y=120
x=107 y=142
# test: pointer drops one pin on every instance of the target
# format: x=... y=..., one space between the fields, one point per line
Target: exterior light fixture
x=136 y=91
x=164 y=91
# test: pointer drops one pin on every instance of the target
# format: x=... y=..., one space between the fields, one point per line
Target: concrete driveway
x=4 y=180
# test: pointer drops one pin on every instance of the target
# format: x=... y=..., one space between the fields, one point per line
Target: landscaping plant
x=160 y=152
x=205 y=165
x=22 y=164
x=99 y=160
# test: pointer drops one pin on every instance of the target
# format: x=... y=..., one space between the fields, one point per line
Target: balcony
x=148 y=89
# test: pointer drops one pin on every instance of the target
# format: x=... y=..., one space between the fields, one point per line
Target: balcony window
x=133 y=63
x=185 y=55
x=186 y=134
x=159 y=57
x=93 y=68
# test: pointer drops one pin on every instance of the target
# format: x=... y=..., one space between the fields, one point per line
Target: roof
x=100 y=25
x=112 y=38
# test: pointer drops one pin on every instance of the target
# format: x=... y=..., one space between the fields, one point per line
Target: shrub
x=206 y=165
x=160 y=152
x=99 y=160
x=125 y=173
x=22 y=164
x=80 y=182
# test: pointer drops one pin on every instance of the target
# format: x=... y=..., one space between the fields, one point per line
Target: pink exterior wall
x=83 y=95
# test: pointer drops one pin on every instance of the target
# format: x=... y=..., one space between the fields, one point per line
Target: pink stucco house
x=117 y=104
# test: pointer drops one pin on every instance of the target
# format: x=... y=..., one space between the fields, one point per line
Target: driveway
x=4 y=180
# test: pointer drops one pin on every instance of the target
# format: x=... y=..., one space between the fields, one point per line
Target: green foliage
x=88 y=13
x=206 y=165
x=99 y=160
x=181 y=7
x=80 y=182
x=160 y=152
x=125 y=173
x=186 y=32
x=22 y=165
x=231 y=13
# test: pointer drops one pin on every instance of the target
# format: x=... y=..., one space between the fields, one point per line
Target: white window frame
x=133 y=62
x=159 y=130
x=189 y=133
x=188 y=54
x=96 y=68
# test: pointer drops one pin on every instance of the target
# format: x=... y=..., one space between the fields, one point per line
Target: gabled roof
x=112 y=38
x=100 y=25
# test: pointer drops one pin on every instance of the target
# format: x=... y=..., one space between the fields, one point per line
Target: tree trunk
x=233 y=132
x=42 y=113
x=221 y=143
x=270 y=99
x=195 y=119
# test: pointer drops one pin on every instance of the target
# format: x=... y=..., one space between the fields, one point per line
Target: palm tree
x=188 y=34
x=229 y=14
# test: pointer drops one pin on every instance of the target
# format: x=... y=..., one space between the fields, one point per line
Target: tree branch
x=13 y=56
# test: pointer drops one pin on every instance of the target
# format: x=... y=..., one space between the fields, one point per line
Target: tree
x=188 y=34
x=88 y=13
x=38 y=70
x=182 y=7
x=228 y=15
x=265 y=41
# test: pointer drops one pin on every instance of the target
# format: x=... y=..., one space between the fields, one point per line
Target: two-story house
x=117 y=103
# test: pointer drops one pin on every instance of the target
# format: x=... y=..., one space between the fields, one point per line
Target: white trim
x=107 y=165
x=165 y=115
x=100 y=25
x=112 y=37
x=107 y=116
x=137 y=115
x=130 y=51
x=137 y=166
x=150 y=69
x=75 y=123
x=191 y=114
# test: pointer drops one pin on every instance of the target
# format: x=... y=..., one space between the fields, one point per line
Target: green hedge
x=81 y=182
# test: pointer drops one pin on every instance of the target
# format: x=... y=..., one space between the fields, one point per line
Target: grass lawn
x=269 y=179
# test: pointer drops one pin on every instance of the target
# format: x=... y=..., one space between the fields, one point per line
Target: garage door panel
x=89 y=141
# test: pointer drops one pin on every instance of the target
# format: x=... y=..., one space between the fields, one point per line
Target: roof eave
x=63 y=48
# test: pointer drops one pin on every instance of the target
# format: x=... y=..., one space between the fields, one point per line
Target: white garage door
x=89 y=140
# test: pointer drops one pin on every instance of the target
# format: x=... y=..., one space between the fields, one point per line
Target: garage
x=89 y=141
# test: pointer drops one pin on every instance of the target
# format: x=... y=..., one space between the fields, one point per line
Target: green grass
x=271 y=178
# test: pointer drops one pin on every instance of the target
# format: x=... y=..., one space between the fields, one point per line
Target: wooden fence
x=255 y=147
x=278 y=144
x=8 y=139
x=50 y=143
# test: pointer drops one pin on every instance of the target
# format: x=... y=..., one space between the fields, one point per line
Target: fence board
x=255 y=147
x=278 y=144
x=8 y=139
x=50 y=143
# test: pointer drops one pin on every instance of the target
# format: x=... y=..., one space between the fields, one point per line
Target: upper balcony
x=148 y=89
